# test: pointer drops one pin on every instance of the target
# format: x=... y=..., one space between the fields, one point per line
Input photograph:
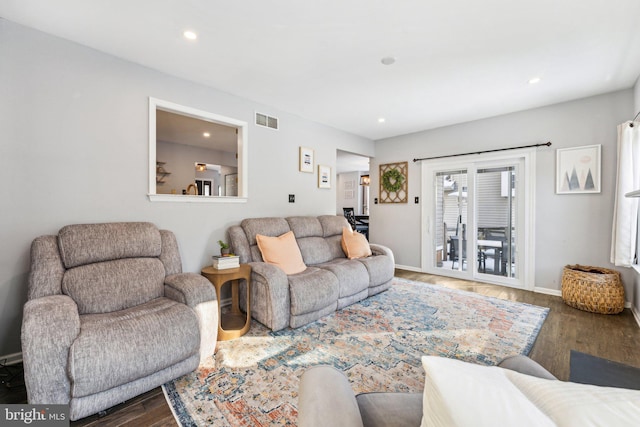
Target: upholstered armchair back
x=104 y=267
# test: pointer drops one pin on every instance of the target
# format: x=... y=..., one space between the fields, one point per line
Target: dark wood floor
x=614 y=337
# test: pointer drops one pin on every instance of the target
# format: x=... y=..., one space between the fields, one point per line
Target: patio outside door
x=477 y=218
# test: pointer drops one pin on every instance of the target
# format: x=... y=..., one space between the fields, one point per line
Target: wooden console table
x=235 y=323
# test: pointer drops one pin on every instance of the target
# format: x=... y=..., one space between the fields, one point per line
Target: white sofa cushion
x=463 y=394
x=580 y=405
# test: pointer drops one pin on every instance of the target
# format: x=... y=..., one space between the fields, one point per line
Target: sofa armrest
x=239 y=243
x=198 y=293
x=325 y=398
x=270 y=300
x=525 y=365
x=49 y=326
x=377 y=249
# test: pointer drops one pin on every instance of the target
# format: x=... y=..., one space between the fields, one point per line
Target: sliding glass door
x=496 y=220
x=477 y=217
x=450 y=210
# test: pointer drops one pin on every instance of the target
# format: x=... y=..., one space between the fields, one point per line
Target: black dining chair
x=455 y=251
x=349 y=213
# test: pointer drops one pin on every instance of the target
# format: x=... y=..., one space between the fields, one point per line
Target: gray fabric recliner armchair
x=110 y=315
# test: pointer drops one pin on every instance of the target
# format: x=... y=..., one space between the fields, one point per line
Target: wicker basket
x=594 y=289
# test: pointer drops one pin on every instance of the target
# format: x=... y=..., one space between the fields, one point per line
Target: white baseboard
x=547 y=291
x=636 y=314
x=11 y=359
x=409 y=268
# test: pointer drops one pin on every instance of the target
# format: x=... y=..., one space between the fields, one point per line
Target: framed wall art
x=393 y=182
x=578 y=169
x=324 y=176
x=306 y=159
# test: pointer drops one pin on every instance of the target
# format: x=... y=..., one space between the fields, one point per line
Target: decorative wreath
x=392 y=180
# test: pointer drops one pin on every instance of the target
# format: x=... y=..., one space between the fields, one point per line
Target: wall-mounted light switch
x=292 y=198
x=417 y=200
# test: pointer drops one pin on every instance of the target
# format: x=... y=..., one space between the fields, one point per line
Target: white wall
x=74 y=149
x=570 y=229
x=636 y=95
x=351 y=179
x=636 y=288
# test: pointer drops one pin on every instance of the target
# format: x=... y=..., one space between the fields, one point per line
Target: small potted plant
x=224 y=248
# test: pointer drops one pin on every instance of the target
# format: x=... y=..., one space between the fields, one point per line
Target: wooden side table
x=235 y=323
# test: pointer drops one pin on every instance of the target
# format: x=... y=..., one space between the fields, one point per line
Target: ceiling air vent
x=266 y=121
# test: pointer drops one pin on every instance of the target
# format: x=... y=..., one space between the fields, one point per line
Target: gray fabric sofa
x=110 y=315
x=330 y=282
x=325 y=398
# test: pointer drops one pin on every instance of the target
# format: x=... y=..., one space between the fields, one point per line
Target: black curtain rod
x=634 y=119
x=547 y=144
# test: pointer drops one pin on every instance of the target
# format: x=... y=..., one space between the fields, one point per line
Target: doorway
x=352 y=179
x=477 y=218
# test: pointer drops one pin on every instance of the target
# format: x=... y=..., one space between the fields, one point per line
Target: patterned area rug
x=378 y=342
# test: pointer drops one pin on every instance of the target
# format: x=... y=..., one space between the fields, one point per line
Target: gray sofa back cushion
x=114 y=285
x=272 y=227
x=309 y=235
x=305 y=226
x=318 y=237
x=332 y=226
x=82 y=244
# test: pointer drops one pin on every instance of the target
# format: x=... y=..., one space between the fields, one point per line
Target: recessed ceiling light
x=388 y=60
x=190 y=35
x=534 y=80
x=381 y=120
x=206 y=134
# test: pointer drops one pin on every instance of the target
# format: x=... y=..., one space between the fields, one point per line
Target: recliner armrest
x=325 y=398
x=198 y=293
x=189 y=288
x=49 y=326
x=525 y=365
x=276 y=293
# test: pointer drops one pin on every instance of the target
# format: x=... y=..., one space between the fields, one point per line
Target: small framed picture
x=306 y=159
x=578 y=170
x=324 y=176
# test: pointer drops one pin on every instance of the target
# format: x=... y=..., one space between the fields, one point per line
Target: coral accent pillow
x=354 y=244
x=282 y=251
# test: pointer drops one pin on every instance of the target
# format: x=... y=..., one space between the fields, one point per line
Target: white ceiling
x=456 y=60
x=348 y=162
